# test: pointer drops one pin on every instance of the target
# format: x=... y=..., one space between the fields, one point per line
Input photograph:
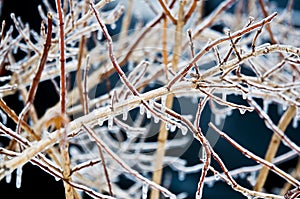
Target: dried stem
x=273 y=146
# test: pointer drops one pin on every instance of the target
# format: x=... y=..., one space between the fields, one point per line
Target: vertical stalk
x=163 y=133
x=64 y=144
x=62 y=58
x=273 y=146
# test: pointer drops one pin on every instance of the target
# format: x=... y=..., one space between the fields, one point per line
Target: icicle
x=156 y=119
x=210 y=184
x=167 y=126
x=295 y=121
x=125 y=115
x=184 y=130
x=3 y=117
x=99 y=35
x=19 y=177
x=266 y=105
x=284 y=106
x=145 y=190
x=8 y=178
x=148 y=113
x=244 y=95
x=194 y=99
x=100 y=122
x=217 y=119
x=130 y=65
x=56 y=179
x=142 y=109
x=202 y=155
x=224 y=95
x=110 y=122
x=181 y=175
x=163 y=103
x=172 y=128
x=229 y=112
x=151 y=103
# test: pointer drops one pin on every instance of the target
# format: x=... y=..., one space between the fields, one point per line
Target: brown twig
x=209 y=46
x=36 y=79
x=124 y=165
x=256 y=158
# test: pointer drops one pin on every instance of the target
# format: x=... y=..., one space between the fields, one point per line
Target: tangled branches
x=156 y=82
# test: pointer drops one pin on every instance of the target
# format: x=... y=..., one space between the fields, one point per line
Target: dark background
x=38 y=184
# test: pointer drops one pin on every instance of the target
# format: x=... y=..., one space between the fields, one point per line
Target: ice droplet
x=151 y=103
x=242 y=111
x=19 y=177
